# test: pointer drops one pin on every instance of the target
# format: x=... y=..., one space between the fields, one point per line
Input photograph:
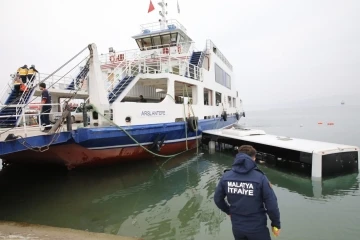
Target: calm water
x=173 y=200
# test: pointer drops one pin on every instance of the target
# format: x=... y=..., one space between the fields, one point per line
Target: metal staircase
x=196 y=59
x=128 y=68
x=12 y=114
x=14 y=105
x=119 y=88
x=76 y=82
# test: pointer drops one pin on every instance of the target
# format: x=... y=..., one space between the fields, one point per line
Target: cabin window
x=182 y=39
x=218 y=98
x=146 y=42
x=218 y=74
x=222 y=77
x=173 y=39
x=152 y=92
x=184 y=93
x=157 y=41
x=208 y=97
x=165 y=39
x=139 y=43
x=228 y=81
x=234 y=102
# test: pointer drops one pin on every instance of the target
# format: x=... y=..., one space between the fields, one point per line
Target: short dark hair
x=43 y=85
x=247 y=149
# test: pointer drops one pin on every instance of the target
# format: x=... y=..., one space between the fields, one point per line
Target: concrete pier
x=12 y=230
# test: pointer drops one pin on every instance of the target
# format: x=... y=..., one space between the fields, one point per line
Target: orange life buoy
x=179 y=49
x=112 y=58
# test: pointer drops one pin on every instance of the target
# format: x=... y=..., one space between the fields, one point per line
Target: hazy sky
x=282 y=50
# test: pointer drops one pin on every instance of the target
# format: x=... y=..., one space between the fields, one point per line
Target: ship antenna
x=163 y=13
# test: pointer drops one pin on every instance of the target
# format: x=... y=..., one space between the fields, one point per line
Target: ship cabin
x=161 y=48
x=203 y=78
x=171 y=39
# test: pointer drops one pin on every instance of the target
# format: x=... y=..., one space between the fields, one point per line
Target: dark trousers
x=30 y=77
x=45 y=118
x=23 y=78
x=17 y=89
x=261 y=235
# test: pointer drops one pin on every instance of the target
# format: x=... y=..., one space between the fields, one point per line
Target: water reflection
x=152 y=199
x=339 y=186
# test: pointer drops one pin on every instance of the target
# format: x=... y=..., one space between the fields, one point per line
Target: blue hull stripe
x=113 y=137
x=33 y=142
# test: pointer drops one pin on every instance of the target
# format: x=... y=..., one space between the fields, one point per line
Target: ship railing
x=173 y=65
x=132 y=70
x=25 y=95
x=210 y=48
x=30 y=119
x=118 y=72
x=55 y=81
x=47 y=78
x=144 y=52
x=201 y=60
x=171 y=24
x=61 y=82
x=115 y=75
x=81 y=76
x=119 y=75
x=7 y=89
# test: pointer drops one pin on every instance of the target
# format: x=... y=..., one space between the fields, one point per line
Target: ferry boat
x=184 y=91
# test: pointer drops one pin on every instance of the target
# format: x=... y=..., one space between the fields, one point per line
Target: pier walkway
x=12 y=230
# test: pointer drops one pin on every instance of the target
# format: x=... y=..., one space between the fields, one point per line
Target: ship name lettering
x=153 y=113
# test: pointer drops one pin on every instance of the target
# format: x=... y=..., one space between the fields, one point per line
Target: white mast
x=163 y=13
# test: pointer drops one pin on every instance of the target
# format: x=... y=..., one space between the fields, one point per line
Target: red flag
x=151 y=7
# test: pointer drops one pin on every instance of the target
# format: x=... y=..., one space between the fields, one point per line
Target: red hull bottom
x=73 y=155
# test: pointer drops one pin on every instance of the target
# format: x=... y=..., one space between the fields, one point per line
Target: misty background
x=284 y=53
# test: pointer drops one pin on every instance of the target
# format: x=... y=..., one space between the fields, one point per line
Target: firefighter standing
x=250 y=198
x=46 y=109
x=23 y=72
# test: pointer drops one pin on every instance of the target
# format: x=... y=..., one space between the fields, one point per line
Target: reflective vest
x=22 y=71
x=31 y=71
